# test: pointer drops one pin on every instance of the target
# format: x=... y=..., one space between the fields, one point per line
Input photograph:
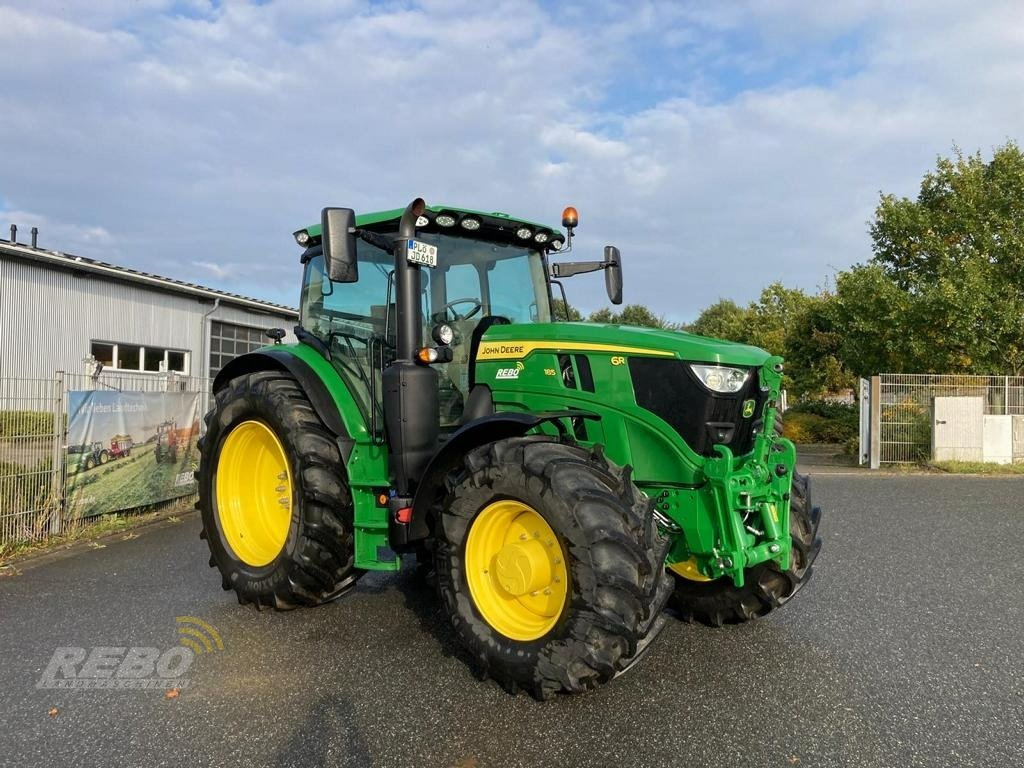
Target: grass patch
x=978 y=468
x=95 y=528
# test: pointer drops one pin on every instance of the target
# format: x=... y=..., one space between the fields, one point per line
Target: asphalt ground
x=905 y=649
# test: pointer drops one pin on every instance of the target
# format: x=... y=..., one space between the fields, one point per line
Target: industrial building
x=59 y=311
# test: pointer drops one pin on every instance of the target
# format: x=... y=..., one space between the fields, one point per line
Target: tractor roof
x=491 y=221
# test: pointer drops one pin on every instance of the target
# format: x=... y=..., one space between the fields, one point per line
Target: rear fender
x=311 y=383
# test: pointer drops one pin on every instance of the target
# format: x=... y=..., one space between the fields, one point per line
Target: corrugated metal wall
x=49 y=316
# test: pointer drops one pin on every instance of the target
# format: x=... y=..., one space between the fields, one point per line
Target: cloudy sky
x=720 y=145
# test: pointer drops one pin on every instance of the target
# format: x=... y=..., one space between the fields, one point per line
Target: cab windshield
x=474 y=279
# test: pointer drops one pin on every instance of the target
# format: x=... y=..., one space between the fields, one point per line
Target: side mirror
x=339 y=244
x=613 y=273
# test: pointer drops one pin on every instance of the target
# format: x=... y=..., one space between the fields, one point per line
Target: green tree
x=814 y=350
x=603 y=315
x=559 y=310
x=773 y=314
x=724 y=319
x=631 y=314
x=950 y=266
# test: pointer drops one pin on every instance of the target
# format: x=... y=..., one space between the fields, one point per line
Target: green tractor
x=564 y=481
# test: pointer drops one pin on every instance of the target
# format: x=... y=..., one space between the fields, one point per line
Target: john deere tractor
x=564 y=481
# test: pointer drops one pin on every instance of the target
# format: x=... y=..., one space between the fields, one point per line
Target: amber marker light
x=427 y=355
x=570 y=218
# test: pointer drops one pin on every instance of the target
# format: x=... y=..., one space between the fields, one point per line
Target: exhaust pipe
x=412 y=414
x=14 y=234
x=35 y=236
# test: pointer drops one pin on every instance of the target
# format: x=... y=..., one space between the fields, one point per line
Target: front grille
x=669 y=389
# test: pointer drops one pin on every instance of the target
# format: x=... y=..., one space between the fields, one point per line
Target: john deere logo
x=748 y=409
x=510 y=373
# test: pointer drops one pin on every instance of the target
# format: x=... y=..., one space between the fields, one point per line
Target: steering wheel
x=449 y=307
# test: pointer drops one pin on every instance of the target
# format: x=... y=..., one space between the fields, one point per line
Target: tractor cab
x=490 y=269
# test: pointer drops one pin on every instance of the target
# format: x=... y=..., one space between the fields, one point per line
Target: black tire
x=316 y=563
x=104 y=457
x=90 y=462
x=766 y=586
x=615 y=556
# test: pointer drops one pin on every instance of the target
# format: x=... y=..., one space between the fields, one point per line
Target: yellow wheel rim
x=254 y=493
x=688 y=570
x=516 y=570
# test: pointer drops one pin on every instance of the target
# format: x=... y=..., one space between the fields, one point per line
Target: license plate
x=419 y=252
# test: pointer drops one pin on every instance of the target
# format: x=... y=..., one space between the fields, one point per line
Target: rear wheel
x=277 y=512
x=766 y=586
x=549 y=565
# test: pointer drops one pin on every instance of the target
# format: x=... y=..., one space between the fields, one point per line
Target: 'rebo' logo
x=132 y=668
x=748 y=409
x=510 y=373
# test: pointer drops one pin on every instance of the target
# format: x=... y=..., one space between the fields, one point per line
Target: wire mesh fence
x=929 y=416
x=33 y=443
x=31 y=432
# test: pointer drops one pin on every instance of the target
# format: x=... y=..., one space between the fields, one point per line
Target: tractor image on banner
x=117 y=457
x=562 y=482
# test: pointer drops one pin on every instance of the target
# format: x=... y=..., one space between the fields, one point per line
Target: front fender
x=487 y=429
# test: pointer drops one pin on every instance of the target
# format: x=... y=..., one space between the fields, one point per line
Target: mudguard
x=312 y=385
x=487 y=429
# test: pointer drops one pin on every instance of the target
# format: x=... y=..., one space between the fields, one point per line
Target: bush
x=819 y=421
x=25 y=423
x=845 y=412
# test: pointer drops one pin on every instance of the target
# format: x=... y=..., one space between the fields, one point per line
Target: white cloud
x=219 y=271
x=701 y=138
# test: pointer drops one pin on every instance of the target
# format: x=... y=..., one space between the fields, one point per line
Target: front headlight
x=718 y=378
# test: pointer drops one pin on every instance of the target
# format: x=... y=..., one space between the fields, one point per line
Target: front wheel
x=276 y=508
x=766 y=586
x=549 y=565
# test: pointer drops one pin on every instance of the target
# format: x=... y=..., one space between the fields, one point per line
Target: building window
x=128 y=357
x=135 y=357
x=104 y=353
x=228 y=341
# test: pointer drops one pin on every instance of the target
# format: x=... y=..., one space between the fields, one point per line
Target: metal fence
x=33 y=432
x=913 y=416
x=32 y=425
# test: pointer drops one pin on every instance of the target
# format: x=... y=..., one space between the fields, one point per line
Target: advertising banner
x=129 y=449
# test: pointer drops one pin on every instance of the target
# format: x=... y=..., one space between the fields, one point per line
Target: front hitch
x=751 y=495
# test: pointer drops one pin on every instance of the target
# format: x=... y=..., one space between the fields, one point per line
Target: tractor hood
x=519 y=340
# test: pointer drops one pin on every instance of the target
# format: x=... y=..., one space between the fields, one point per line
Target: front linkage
x=740 y=517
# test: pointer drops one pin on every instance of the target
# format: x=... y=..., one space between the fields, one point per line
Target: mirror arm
x=570 y=268
x=384 y=242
